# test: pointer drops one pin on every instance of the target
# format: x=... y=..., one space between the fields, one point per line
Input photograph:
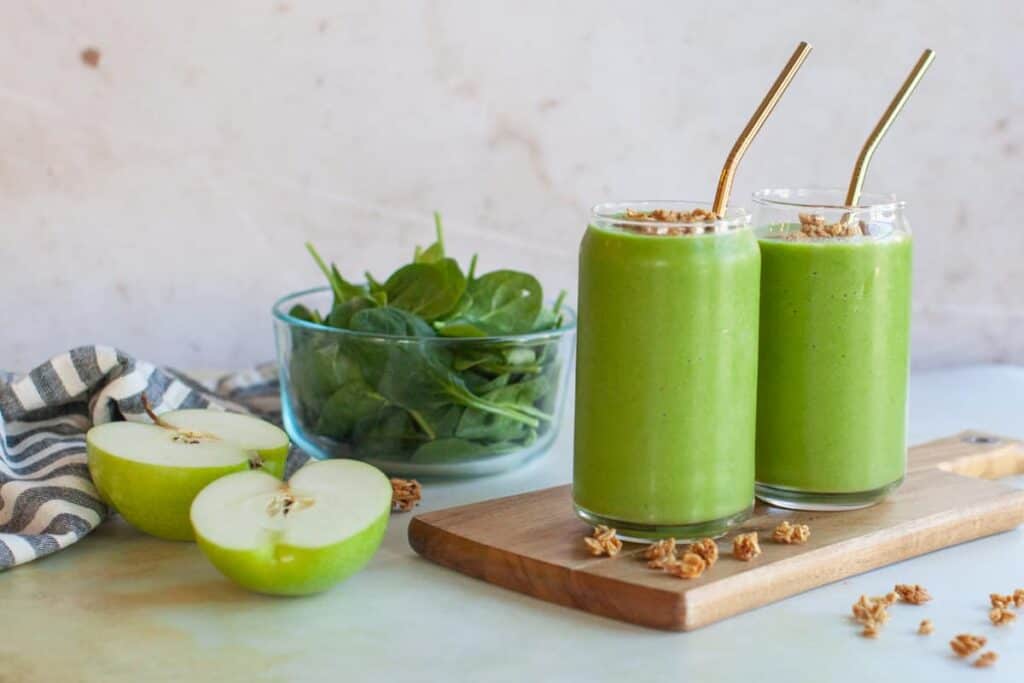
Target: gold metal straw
x=754 y=125
x=866 y=152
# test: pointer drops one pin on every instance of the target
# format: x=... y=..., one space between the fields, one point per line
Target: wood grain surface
x=532 y=543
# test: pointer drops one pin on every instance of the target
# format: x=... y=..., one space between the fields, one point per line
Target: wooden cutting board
x=533 y=543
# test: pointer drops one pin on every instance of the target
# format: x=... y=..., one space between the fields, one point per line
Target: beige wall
x=159 y=202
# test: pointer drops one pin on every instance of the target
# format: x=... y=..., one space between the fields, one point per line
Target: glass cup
x=834 y=348
x=666 y=373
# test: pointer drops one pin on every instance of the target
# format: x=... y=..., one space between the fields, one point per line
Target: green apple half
x=151 y=472
x=293 y=538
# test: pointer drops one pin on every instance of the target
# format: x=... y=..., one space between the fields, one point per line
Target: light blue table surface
x=120 y=606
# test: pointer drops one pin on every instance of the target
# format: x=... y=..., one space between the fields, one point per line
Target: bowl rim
x=279 y=312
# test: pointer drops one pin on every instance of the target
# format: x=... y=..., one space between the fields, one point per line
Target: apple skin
x=290 y=570
x=156 y=499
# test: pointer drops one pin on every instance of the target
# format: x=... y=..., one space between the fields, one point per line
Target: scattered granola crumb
x=661 y=553
x=998 y=600
x=603 y=542
x=870 y=610
x=707 y=549
x=678 y=219
x=745 y=546
x=871 y=630
x=926 y=628
x=986 y=659
x=690 y=566
x=405 y=494
x=791 y=533
x=912 y=593
x=966 y=644
x=1000 y=616
x=91 y=57
x=1018 y=597
x=890 y=598
x=814 y=225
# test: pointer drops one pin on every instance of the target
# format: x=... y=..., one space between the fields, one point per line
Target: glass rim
x=612 y=213
x=867 y=201
x=281 y=314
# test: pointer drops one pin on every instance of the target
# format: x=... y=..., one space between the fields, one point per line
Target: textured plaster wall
x=158 y=199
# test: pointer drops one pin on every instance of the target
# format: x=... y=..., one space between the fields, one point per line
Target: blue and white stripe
x=47 y=499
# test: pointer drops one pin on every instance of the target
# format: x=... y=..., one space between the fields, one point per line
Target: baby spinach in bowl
x=435 y=370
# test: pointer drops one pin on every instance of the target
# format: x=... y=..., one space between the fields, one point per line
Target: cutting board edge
x=999 y=515
x=704 y=605
x=560 y=585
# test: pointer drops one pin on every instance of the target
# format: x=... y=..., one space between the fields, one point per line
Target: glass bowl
x=420 y=406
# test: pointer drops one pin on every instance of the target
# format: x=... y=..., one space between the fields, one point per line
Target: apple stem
x=186 y=435
x=148 y=407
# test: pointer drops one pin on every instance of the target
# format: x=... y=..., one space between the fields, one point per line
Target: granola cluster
x=604 y=541
x=986 y=659
x=707 y=549
x=690 y=566
x=678 y=222
x=661 y=553
x=791 y=533
x=745 y=546
x=1001 y=601
x=1016 y=599
x=405 y=494
x=872 y=613
x=1000 y=616
x=1001 y=613
x=814 y=225
x=696 y=559
x=912 y=593
x=965 y=644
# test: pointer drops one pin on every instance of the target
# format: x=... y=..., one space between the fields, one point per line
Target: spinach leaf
x=496 y=383
x=317 y=372
x=430 y=290
x=502 y=302
x=353 y=402
x=302 y=313
x=417 y=380
x=435 y=252
x=343 y=290
x=442 y=421
x=519 y=360
x=388 y=433
x=450 y=450
x=550 y=318
x=527 y=392
x=486 y=427
x=341 y=314
x=391 y=321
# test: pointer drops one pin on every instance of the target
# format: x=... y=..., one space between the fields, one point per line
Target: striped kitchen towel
x=47 y=499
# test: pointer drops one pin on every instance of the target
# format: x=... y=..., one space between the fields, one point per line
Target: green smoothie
x=832 y=383
x=666 y=380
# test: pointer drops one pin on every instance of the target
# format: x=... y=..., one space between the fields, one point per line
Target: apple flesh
x=150 y=473
x=293 y=538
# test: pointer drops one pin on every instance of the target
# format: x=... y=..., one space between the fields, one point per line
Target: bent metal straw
x=754 y=125
x=866 y=152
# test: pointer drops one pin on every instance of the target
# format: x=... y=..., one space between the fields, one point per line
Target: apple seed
x=187 y=436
